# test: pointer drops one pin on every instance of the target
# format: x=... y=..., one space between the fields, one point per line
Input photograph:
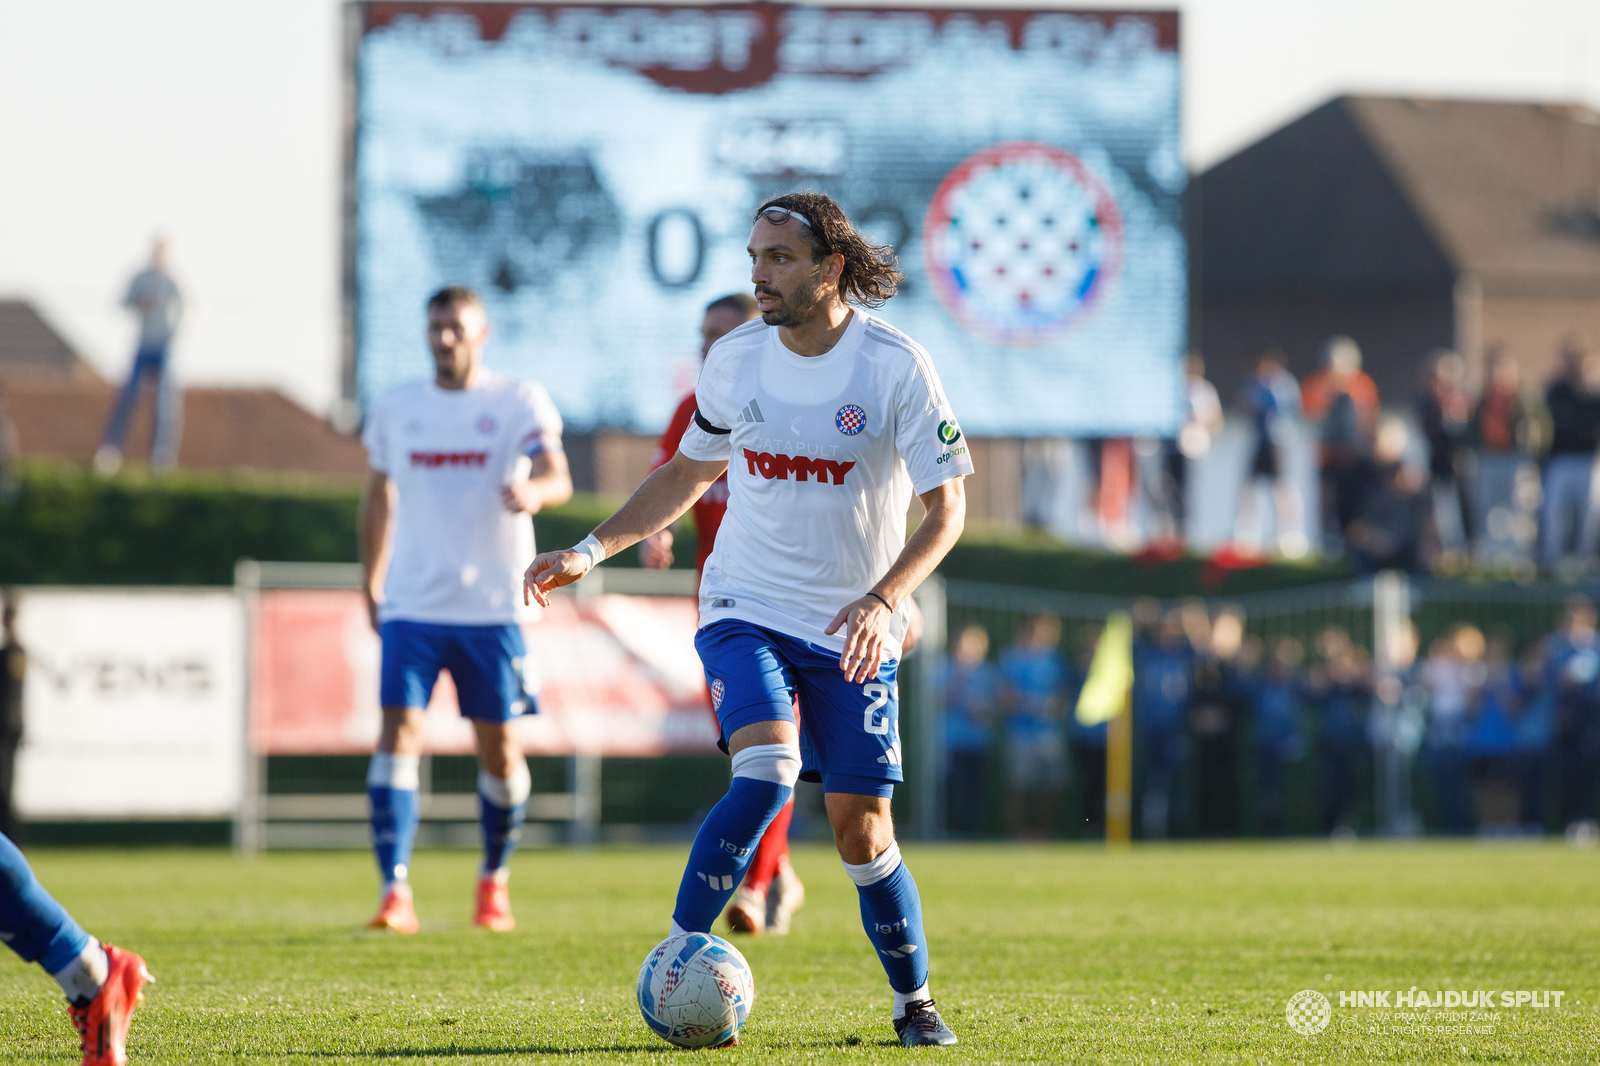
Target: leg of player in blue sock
x=502 y=804
x=392 y=784
x=40 y=930
x=891 y=912
x=763 y=780
x=102 y=982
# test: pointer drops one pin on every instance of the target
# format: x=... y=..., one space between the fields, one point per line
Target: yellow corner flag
x=1105 y=693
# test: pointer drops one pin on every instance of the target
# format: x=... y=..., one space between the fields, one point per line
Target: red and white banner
x=619 y=676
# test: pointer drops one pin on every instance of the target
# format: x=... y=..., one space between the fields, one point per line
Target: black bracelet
x=881 y=600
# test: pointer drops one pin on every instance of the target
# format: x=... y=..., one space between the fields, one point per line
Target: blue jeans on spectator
x=1564 y=519
x=164 y=441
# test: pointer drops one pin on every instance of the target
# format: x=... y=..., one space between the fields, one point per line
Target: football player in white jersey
x=459 y=464
x=826 y=420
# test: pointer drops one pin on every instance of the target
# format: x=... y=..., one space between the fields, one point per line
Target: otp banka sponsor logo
x=949 y=433
x=779 y=467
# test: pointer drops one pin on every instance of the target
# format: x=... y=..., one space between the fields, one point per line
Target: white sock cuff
x=903 y=998
x=390 y=769
x=870 y=873
x=778 y=763
x=81 y=978
x=506 y=792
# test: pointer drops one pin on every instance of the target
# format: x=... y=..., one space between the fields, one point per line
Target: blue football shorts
x=849 y=734
x=489 y=665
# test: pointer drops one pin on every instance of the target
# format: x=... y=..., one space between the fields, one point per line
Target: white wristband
x=590 y=547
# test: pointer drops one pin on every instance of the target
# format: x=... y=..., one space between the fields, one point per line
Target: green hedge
x=65 y=526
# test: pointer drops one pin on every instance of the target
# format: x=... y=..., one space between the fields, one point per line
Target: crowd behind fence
x=1383 y=705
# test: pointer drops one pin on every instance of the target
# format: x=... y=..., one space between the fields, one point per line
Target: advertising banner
x=592 y=171
x=612 y=675
x=133 y=705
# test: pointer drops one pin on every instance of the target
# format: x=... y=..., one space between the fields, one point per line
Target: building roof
x=1387 y=193
x=1511 y=191
x=223 y=429
x=29 y=346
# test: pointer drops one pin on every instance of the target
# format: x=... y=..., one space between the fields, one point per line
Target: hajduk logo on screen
x=1021 y=242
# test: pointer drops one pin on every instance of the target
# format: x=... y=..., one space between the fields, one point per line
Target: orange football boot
x=397 y=911
x=494 y=906
x=103 y=1024
x=747 y=912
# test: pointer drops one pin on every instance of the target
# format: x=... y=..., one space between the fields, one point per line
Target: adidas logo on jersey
x=779 y=467
x=751 y=413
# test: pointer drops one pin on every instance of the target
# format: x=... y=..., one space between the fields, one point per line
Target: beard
x=794 y=308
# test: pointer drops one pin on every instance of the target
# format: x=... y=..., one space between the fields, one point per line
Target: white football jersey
x=458 y=554
x=824 y=453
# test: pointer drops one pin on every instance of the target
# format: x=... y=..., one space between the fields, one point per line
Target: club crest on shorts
x=850 y=419
x=718 y=690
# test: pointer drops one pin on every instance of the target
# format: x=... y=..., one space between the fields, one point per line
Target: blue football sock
x=32 y=923
x=891 y=912
x=392 y=782
x=724 y=847
x=502 y=804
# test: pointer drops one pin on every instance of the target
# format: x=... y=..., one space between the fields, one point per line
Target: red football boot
x=397 y=911
x=494 y=906
x=103 y=1024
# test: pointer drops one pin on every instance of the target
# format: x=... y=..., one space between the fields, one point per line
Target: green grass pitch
x=1163 y=954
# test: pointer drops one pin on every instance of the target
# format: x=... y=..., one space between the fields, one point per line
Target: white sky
x=217 y=124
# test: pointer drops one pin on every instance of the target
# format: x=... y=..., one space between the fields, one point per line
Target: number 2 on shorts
x=878 y=693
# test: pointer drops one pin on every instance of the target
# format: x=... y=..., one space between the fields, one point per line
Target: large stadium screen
x=592 y=170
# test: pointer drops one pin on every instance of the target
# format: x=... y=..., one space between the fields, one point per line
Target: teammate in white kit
x=459 y=464
x=826 y=420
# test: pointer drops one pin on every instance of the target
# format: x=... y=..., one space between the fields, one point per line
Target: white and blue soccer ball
x=695 y=990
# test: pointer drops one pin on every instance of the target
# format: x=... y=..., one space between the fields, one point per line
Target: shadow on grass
x=648 y=1049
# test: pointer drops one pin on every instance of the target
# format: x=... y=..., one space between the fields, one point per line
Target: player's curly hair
x=871 y=271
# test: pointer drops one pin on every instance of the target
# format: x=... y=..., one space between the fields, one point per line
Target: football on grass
x=695 y=990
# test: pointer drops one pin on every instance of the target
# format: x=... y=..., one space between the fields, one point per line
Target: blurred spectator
x=1453 y=674
x=1161 y=687
x=1340 y=688
x=1505 y=431
x=1088 y=742
x=1572 y=678
x=1535 y=729
x=13 y=670
x=1444 y=410
x=1277 y=728
x=969 y=693
x=1034 y=677
x=1272 y=399
x=1492 y=739
x=1218 y=704
x=1573 y=400
x=1391 y=526
x=154 y=297
x=1202 y=422
x=1344 y=400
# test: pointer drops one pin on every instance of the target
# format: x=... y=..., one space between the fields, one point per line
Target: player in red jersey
x=771 y=892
